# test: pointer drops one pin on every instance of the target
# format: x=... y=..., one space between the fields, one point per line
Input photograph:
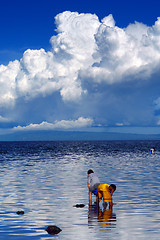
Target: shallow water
x=46 y=179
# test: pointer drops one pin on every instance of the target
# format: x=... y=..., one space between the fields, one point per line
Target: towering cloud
x=94 y=69
x=8 y=75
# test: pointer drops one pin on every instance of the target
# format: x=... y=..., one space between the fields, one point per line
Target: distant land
x=75 y=136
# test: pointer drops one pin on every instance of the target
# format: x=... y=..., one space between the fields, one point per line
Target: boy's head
x=90 y=171
x=112 y=187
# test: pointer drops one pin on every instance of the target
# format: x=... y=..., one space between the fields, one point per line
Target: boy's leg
x=97 y=201
x=90 y=198
x=99 y=197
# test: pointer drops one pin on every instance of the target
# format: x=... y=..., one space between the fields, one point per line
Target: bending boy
x=105 y=192
x=93 y=182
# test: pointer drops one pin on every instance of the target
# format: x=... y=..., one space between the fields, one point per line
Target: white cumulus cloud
x=125 y=54
x=83 y=47
x=8 y=76
x=63 y=124
x=89 y=61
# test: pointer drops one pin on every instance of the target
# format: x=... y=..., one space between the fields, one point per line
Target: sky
x=80 y=66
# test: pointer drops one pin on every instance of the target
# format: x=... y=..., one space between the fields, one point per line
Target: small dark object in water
x=20 y=212
x=53 y=230
x=79 y=205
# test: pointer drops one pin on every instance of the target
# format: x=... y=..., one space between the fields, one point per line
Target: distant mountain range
x=73 y=136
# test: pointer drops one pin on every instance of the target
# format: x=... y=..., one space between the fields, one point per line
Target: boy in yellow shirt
x=106 y=191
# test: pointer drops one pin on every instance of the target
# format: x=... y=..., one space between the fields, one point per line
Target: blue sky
x=30 y=24
x=79 y=66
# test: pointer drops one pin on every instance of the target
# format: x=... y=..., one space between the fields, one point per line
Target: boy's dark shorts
x=95 y=192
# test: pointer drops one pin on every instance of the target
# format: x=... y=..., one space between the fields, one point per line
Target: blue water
x=46 y=179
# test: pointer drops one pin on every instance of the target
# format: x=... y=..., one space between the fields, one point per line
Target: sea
x=47 y=180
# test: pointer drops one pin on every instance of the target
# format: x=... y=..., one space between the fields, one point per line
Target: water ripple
x=45 y=180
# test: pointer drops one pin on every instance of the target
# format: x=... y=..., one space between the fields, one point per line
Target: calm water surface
x=46 y=179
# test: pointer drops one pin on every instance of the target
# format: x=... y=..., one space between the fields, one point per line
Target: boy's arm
x=111 y=191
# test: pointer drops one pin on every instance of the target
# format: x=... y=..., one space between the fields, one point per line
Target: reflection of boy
x=104 y=219
x=93 y=182
x=106 y=191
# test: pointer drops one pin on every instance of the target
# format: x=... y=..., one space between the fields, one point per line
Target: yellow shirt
x=103 y=192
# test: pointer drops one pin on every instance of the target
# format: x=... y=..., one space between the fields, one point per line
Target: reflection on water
x=46 y=179
x=105 y=218
x=92 y=215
